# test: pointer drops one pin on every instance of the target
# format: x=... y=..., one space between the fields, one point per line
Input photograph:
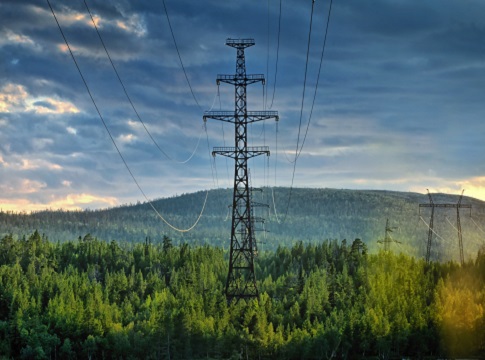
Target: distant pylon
x=388 y=238
x=457 y=206
x=241 y=279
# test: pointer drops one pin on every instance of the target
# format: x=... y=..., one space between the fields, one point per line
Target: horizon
x=87 y=209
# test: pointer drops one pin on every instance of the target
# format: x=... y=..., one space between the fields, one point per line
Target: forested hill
x=313 y=215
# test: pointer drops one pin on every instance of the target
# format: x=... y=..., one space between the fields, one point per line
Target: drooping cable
x=298 y=151
x=318 y=78
x=304 y=81
x=277 y=57
x=301 y=111
x=129 y=98
x=479 y=228
x=212 y=163
x=180 y=57
x=275 y=175
x=265 y=100
x=211 y=160
x=454 y=227
x=449 y=222
x=112 y=138
x=434 y=232
x=404 y=250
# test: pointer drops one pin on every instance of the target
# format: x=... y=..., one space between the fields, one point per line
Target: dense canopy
x=94 y=299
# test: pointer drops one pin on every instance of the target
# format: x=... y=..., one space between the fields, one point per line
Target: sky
x=399 y=103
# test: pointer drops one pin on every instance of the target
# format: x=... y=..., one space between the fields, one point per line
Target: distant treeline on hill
x=313 y=215
x=92 y=299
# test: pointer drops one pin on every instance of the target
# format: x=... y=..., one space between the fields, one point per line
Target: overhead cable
x=304 y=81
x=212 y=163
x=479 y=228
x=180 y=57
x=277 y=57
x=298 y=151
x=129 y=98
x=448 y=241
x=318 y=78
x=301 y=111
x=114 y=142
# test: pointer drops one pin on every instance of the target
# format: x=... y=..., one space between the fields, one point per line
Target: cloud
x=474 y=187
x=11 y=38
x=71 y=130
x=15 y=98
x=399 y=94
x=28 y=186
x=53 y=106
x=127 y=138
x=78 y=201
x=133 y=24
x=24 y=164
x=12 y=97
x=69 y=202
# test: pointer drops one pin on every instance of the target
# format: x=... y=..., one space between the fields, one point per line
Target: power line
x=469 y=239
x=211 y=160
x=213 y=164
x=274 y=207
x=434 y=232
x=129 y=98
x=301 y=112
x=318 y=78
x=180 y=57
x=114 y=142
x=277 y=57
x=304 y=81
x=265 y=100
x=479 y=228
x=298 y=152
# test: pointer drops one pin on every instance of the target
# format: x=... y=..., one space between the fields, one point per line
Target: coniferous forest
x=91 y=299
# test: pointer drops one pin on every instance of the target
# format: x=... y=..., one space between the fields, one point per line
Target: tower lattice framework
x=388 y=238
x=241 y=279
x=457 y=206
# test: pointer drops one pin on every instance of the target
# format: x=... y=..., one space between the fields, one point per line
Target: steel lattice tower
x=457 y=206
x=388 y=238
x=241 y=280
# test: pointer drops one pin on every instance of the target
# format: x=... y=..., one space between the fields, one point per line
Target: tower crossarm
x=231 y=117
x=455 y=206
x=238 y=79
x=240 y=43
x=231 y=151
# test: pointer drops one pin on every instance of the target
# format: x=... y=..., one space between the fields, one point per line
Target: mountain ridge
x=314 y=214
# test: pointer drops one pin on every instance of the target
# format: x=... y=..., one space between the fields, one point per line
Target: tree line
x=91 y=299
x=315 y=214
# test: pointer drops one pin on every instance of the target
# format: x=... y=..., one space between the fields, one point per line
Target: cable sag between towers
x=113 y=140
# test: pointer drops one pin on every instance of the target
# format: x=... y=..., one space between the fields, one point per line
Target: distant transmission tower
x=457 y=206
x=241 y=280
x=388 y=238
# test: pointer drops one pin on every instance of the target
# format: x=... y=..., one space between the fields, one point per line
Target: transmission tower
x=388 y=238
x=241 y=280
x=456 y=206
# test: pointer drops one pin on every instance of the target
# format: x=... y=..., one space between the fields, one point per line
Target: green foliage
x=93 y=299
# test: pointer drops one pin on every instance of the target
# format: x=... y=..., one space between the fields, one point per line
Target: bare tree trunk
x=168 y=345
